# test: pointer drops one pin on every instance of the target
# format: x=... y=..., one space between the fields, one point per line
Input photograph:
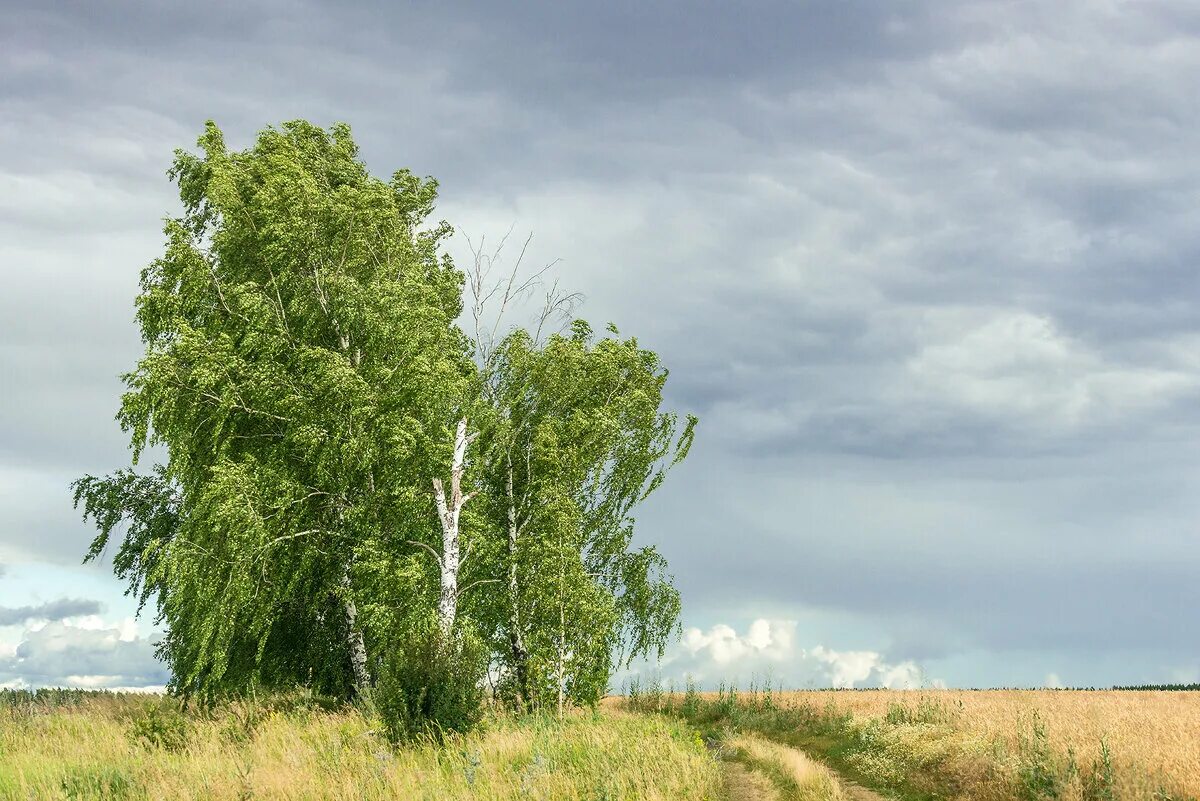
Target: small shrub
x=241 y=722
x=160 y=726
x=1036 y=774
x=431 y=686
x=691 y=699
x=653 y=695
x=1100 y=783
x=727 y=700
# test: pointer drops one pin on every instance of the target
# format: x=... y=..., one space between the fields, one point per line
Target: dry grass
x=743 y=784
x=95 y=751
x=802 y=778
x=1153 y=733
x=996 y=745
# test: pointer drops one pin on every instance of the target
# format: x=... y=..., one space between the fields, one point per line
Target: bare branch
x=477 y=583
x=432 y=552
x=503 y=293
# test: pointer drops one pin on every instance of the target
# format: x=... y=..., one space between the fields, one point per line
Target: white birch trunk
x=516 y=638
x=354 y=639
x=562 y=628
x=449 y=511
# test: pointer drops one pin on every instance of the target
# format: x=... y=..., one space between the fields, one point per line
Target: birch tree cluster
x=338 y=467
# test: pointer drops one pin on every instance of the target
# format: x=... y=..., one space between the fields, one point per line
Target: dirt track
x=750 y=760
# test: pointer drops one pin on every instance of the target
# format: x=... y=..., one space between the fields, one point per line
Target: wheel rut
x=758 y=769
x=743 y=784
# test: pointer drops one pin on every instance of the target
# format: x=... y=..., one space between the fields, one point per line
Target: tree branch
x=432 y=552
x=462 y=591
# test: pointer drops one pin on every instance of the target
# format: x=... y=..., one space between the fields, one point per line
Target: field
x=1154 y=733
x=997 y=744
x=116 y=747
x=729 y=746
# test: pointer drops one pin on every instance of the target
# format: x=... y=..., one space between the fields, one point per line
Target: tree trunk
x=516 y=638
x=562 y=654
x=562 y=628
x=449 y=511
x=354 y=640
x=354 y=637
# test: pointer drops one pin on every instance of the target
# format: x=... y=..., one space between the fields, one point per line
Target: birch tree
x=301 y=361
x=575 y=438
x=579 y=440
x=449 y=509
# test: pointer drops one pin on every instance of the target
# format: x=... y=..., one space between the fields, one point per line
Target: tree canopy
x=338 y=451
x=577 y=440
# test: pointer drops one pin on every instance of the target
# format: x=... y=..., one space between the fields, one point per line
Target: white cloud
x=1011 y=364
x=768 y=651
x=85 y=651
x=1053 y=682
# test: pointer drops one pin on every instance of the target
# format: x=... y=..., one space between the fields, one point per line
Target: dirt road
x=757 y=769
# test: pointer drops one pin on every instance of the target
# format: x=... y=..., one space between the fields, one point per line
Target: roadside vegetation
x=993 y=745
x=118 y=747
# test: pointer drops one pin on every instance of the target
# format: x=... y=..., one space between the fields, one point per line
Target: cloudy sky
x=926 y=271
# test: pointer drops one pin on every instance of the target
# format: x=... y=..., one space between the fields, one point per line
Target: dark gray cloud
x=926 y=272
x=51 y=610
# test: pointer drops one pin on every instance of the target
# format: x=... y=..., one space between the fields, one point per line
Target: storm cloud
x=51 y=610
x=926 y=272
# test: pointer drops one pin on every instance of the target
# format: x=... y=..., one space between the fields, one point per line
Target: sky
x=926 y=271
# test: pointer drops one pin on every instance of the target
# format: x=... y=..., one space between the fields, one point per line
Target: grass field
x=117 y=747
x=982 y=745
x=748 y=746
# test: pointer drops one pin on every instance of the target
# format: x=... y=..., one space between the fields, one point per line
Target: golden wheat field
x=983 y=744
x=1157 y=730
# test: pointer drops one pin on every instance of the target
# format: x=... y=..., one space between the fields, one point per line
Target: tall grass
x=985 y=745
x=120 y=747
x=790 y=771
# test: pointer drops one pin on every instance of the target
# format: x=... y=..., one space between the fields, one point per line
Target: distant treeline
x=1192 y=686
x=52 y=697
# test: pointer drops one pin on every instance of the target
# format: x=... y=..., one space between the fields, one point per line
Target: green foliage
x=727 y=699
x=576 y=438
x=926 y=710
x=302 y=371
x=45 y=699
x=1099 y=784
x=160 y=726
x=1038 y=773
x=300 y=366
x=100 y=783
x=691 y=699
x=150 y=504
x=430 y=687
